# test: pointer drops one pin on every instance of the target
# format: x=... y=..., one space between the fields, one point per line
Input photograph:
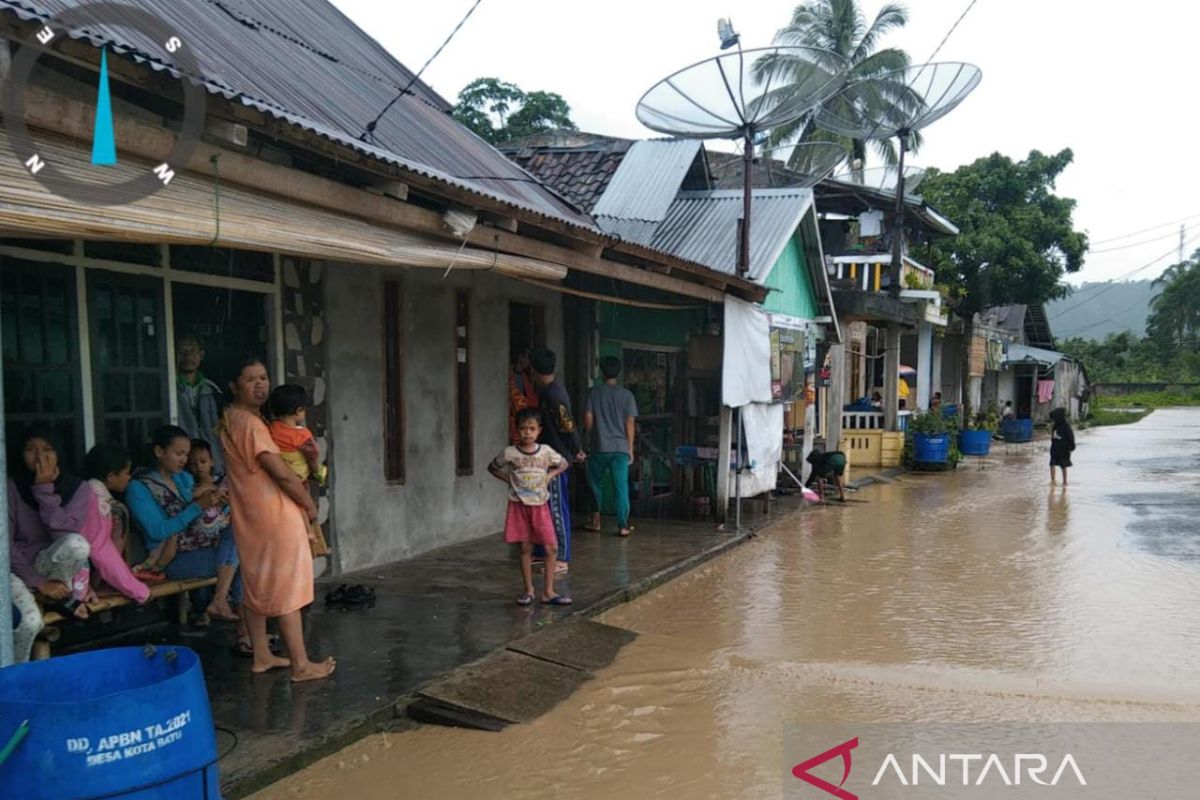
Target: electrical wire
x=1114 y=283
x=1170 y=235
x=1145 y=230
x=369 y=131
x=953 y=28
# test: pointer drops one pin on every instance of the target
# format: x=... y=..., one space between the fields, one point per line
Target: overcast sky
x=1112 y=81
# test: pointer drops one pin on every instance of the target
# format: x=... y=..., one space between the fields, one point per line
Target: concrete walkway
x=434 y=613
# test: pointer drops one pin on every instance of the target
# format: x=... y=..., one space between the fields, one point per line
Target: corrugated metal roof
x=1024 y=354
x=703 y=227
x=307 y=64
x=645 y=184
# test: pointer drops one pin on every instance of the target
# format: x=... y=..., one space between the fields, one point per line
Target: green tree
x=1174 y=323
x=839 y=26
x=1017 y=238
x=541 y=112
x=499 y=112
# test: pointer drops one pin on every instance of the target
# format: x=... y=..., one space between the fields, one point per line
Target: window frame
x=464 y=445
x=394 y=418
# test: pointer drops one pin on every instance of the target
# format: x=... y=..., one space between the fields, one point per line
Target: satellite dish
x=882 y=179
x=896 y=104
x=739 y=94
x=788 y=166
x=910 y=99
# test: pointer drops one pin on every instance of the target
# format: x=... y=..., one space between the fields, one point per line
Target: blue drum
x=120 y=723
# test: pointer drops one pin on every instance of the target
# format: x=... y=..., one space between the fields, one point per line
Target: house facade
x=391 y=268
x=660 y=194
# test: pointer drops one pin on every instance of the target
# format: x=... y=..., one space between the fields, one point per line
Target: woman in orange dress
x=271 y=510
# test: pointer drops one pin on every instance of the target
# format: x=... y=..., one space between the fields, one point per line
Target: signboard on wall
x=787 y=364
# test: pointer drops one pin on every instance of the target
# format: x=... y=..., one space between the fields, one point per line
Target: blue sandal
x=557 y=600
x=525 y=600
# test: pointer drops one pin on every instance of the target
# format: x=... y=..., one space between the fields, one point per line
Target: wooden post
x=724 y=446
x=925 y=378
x=891 y=378
x=938 y=381
x=835 y=397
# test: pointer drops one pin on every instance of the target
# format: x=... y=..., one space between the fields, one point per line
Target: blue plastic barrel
x=931 y=448
x=975 y=443
x=1017 y=430
x=109 y=724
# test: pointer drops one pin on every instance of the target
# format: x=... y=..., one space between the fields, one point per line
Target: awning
x=1024 y=354
x=198 y=210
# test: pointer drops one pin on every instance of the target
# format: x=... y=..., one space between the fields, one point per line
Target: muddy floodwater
x=982 y=594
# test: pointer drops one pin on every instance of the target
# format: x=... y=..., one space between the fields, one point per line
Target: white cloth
x=762 y=424
x=870 y=223
x=746 y=372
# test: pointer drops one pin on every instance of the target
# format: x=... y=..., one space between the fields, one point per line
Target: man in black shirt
x=560 y=432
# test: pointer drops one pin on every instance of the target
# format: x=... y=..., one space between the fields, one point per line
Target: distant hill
x=1095 y=310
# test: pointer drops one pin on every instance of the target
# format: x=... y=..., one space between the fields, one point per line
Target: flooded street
x=982 y=594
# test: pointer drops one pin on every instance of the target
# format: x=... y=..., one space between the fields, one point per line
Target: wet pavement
x=433 y=613
x=980 y=594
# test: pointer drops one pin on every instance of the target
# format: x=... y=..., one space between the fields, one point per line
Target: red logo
x=801 y=771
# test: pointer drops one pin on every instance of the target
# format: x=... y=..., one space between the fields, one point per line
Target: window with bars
x=464 y=451
x=393 y=372
x=41 y=357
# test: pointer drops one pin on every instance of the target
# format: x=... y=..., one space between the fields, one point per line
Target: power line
x=1170 y=235
x=1113 y=284
x=1145 y=230
x=369 y=131
x=953 y=28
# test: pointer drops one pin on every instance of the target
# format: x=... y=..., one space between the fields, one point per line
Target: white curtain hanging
x=746 y=373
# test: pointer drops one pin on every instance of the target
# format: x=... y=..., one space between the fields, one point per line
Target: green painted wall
x=648 y=326
x=795 y=295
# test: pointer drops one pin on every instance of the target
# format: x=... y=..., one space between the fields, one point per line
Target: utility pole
x=1182 y=229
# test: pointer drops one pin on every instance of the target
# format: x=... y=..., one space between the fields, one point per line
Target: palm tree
x=840 y=27
x=1175 y=311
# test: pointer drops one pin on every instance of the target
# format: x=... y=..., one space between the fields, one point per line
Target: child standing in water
x=298 y=447
x=1062 y=443
x=528 y=467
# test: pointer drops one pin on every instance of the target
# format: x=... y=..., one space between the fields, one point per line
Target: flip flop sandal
x=557 y=600
x=525 y=600
x=245 y=649
x=358 y=595
x=351 y=596
x=338 y=595
x=150 y=576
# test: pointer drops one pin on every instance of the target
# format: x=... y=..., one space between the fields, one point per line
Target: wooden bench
x=108 y=601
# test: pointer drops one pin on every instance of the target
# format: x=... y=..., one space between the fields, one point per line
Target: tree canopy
x=841 y=27
x=501 y=112
x=1017 y=237
x=1174 y=322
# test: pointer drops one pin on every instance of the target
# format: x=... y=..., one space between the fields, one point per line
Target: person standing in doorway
x=199 y=397
x=522 y=392
x=1009 y=412
x=560 y=432
x=612 y=413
